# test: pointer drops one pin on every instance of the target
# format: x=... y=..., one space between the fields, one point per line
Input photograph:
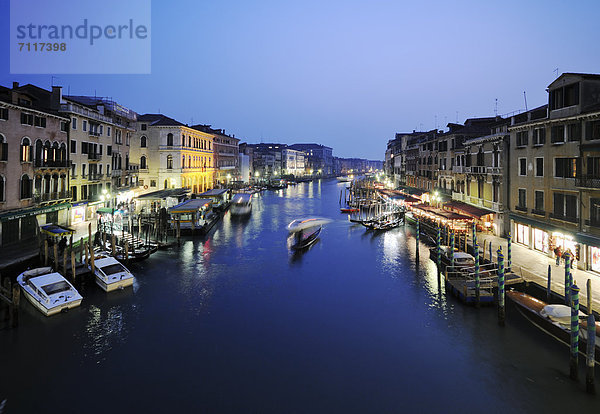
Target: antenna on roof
x=556 y=71
x=525 y=97
x=457 y=117
x=52 y=80
x=496 y=108
x=435 y=116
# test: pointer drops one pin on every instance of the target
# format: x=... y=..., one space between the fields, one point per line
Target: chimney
x=56 y=97
x=15 y=85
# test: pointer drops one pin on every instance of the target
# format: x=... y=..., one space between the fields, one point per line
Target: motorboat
x=555 y=320
x=349 y=210
x=48 y=291
x=110 y=273
x=241 y=204
x=305 y=232
x=462 y=260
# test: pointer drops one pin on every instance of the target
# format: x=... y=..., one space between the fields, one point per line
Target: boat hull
x=309 y=241
x=51 y=311
x=109 y=287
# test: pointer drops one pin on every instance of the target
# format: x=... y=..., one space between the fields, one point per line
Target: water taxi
x=110 y=273
x=241 y=204
x=48 y=291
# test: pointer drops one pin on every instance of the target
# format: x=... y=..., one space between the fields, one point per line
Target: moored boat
x=48 y=291
x=110 y=273
x=555 y=320
x=349 y=210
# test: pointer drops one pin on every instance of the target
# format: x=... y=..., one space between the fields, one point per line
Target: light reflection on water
x=235 y=322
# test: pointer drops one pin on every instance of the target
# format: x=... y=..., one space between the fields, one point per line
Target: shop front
x=566 y=243
x=541 y=240
x=594 y=259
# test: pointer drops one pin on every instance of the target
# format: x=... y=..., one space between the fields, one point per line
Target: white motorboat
x=110 y=273
x=241 y=204
x=48 y=291
x=305 y=232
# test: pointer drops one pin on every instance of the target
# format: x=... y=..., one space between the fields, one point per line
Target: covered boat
x=241 y=204
x=48 y=291
x=194 y=214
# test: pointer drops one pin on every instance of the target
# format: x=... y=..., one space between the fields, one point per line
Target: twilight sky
x=347 y=74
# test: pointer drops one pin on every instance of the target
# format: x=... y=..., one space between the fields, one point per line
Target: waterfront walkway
x=532 y=266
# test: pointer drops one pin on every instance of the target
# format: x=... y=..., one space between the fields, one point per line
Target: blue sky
x=347 y=74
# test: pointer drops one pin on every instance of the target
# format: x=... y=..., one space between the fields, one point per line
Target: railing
x=538 y=212
x=593 y=223
x=51 y=164
x=494 y=170
x=94 y=133
x=61 y=195
x=94 y=156
x=458 y=169
x=521 y=208
x=587 y=181
x=83 y=111
x=95 y=177
x=458 y=196
x=476 y=169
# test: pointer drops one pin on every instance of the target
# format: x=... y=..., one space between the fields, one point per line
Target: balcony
x=94 y=133
x=593 y=223
x=458 y=196
x=521 y=208
x=94 y=156
x=85 y=112
x=476 y=169
x=494 y=170
x=458 y=169
x=51 y=164
x=587 y=181
x=95 y=177
x=47 y=197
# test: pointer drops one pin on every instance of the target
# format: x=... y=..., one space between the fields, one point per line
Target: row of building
x=535 y=174
x=62 y=157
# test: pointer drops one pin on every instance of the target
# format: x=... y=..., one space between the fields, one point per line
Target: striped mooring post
x=474 y=235
x=490 y=246
x=452 y=251
x=417 y=251
x=568 y=282
x=477 y=281
x=574 y=363
x=591 y=343
x=438 y=246
x=501 y=305
x=509 y=253
x=549 y=285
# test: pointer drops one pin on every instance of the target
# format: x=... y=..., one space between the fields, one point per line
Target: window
x=539 y=201
x=593 y=167
x=592 y=130
x=73 y=147
x=152 y=183
x=565 y=207
x=74 y=123
x=108 y=131
x=557 y=134
x=574 y=132
x=83 y=170
x=26 y=187
x=3 y=149
x=143 y=141
x=522 y=166
x=26 y=149
x=4 y=114
x=84 y=147
x=169 y=162
x=539 y=136
x=522 y=138
x=144 y=127
x=566 y=167
x=101 y=130
x=2 y=186
x=109 y=150
x=594 y=211
x=84 y=125
x=143 y=165
x=64 y=126
x=539 y=167
x=565 y=96
x=169 y=139
x=73 y=167
x=522 y=199
x=40 y=121
x=26 y=119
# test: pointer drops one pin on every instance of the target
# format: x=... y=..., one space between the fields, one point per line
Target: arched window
x=25 y=150
x=166 y=184
x=47 y=149
x=62 y=154
x=169 y=162
x=182 y=140
x=169 y=140
x=143 y=165
x=143 y=142
x=25 y=187
x=3 y=148
x=190 y=142
x=2 y=187
x=54 y=153
x=183 y=161
x=39 y=152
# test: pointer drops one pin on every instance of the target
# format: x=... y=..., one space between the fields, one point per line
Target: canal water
x=234 y=323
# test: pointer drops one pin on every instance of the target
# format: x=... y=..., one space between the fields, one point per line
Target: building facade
x=34 y=163
x=172 y=155
x=318 y=158
x=226 y=155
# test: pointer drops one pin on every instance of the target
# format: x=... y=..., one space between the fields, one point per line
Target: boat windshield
x=56 y=287
x=113 y=268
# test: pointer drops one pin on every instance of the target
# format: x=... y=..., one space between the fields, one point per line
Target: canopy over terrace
x=455 y=221
x=56 y=230
x=482 y=215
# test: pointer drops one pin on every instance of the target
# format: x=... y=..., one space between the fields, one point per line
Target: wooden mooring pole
x=549 y=285
x=14 y=307
x=501 y=307
x=591 y=343
x=46 y=252
x=73 y=265
x=574 y=360
x=127 y=252
x=92 y=258
x=477 y=280
x=417 y=244
x=56 y=261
